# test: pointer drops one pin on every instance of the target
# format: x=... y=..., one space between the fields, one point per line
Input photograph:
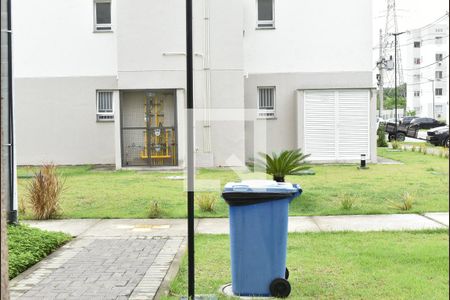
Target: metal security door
x=159 y=140
x=148 y=123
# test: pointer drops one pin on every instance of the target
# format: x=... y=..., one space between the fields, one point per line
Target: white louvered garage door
x=337 y=124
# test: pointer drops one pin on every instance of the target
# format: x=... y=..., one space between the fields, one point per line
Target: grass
x=376 y=265
x=92 y=193
x=27 y=246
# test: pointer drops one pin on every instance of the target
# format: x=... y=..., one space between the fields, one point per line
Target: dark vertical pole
x=395 y=84
x=190 y=149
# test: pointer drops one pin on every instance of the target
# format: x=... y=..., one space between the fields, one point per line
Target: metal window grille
x=416 y=44
x=105 y=109
x=438 y=92
x=102 y=15
x=266 y=102
x=416 y=93
x=439 y=74
x=439 y=56
x=265 y=14
x=417 y=61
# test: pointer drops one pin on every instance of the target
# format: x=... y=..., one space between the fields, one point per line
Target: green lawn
x=376 y=265
x=127 y=194
x=27 y=246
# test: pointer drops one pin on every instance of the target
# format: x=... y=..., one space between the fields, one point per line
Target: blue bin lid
x=261 y=186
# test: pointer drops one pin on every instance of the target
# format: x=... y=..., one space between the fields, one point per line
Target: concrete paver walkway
x=132 y=258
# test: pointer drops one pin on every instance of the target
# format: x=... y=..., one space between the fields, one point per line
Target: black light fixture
x=363 y=161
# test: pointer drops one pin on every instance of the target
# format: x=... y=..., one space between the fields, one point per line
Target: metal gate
x=148 y=128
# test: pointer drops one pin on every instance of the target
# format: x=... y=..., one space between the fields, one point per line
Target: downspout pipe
x=12 y=214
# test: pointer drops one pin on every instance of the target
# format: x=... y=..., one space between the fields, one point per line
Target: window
x=265 y=14
x=105 y=108
x=417 y=61
x=438 y=92
x=439 y=56
x=416 y=44
x=266 y=102
x=102 y=15
x=439 y=109
x=438 y=40
x=416 y=93
x=439 y=74
x=416 y=77
x=439 y=29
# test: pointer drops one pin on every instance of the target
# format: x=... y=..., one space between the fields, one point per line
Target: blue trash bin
x=258 y=235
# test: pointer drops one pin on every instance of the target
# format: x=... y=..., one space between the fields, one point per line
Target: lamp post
x=395 y=80
x=190 y=149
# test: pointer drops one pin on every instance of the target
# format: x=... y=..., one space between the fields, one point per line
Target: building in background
x=104 y=82
x=427 y=71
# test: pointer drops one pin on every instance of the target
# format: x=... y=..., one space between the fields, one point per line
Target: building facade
x=426 y=73
x=104 y=82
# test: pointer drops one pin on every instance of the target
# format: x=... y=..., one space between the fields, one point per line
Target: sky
x=411 y=14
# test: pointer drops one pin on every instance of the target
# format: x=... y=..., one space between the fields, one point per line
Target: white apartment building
x=103 y=81
x=426 y=73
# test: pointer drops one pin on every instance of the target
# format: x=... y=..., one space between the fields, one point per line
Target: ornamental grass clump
x=406 y=203
x=347 y=201
x=44 y=191
x=207 y=202
x=289 y=162
x=155 y=210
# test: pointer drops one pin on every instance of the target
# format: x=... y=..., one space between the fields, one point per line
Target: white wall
x=54 y=38
x=310 y=36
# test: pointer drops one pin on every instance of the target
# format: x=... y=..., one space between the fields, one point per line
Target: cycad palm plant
x=288 y=162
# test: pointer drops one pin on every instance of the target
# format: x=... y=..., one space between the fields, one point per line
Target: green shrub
x=27 y=246
x=347 y=201
x=44 y=192
x=381 y=141
x=288 y=162
x=155 y=210
x=207 y=202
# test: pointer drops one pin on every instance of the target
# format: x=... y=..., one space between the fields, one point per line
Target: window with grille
x=438 y=40
x=266 y=14
x=439 y=74
x=417 y=61
x=102 y=15
x=416 y=44
x=266 y=102
x=416 y=93
x=439 y=56
x=438 y=92
x=105 y=106
x=417 y=77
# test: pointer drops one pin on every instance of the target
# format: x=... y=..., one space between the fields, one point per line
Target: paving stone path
x=108 y=261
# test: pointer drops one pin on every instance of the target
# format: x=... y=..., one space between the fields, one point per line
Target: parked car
x=392 y=120
x=407 y=120
x=438 y=136
x=426 y=123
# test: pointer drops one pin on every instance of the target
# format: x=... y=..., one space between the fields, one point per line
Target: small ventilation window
x=105 y=106
x=102 y=15
x=266 y=102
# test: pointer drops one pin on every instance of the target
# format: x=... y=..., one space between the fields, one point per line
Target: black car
x=407 y=120
x=426 y=123
x=438 y=136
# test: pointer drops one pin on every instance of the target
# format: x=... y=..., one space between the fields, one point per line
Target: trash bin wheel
x=286 y=274
x=280 y=288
